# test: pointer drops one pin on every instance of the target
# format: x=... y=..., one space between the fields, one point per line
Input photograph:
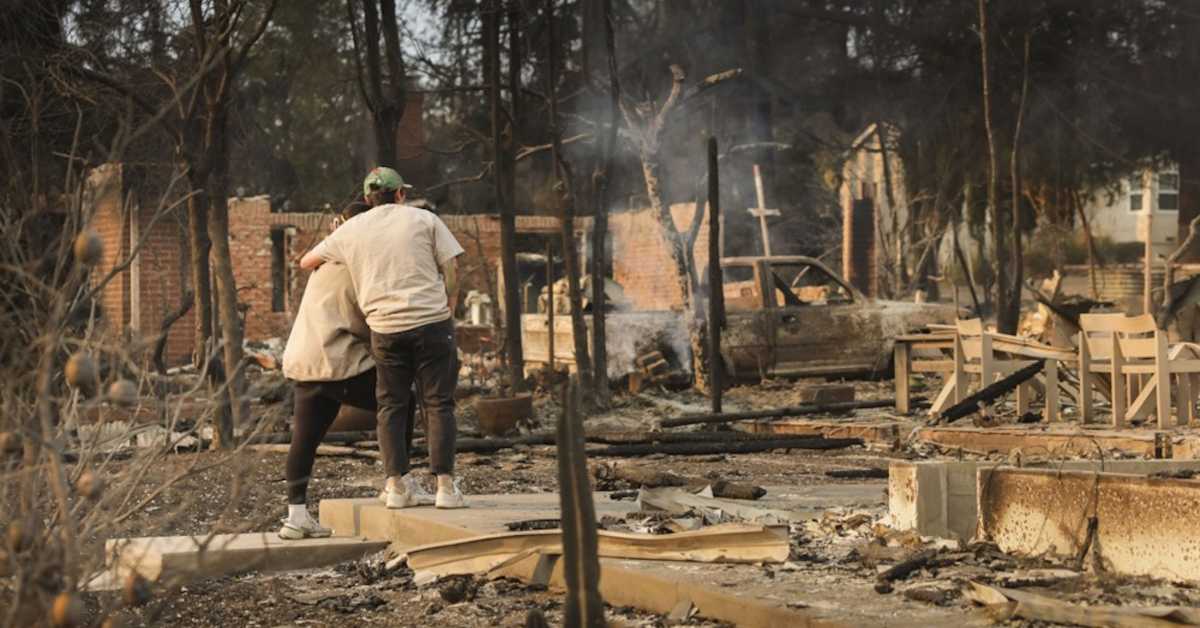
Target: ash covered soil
x=216 y=492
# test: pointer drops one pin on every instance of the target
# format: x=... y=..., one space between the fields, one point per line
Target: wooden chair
x=975 y=353
x=1095 y=343
x=1141 y=349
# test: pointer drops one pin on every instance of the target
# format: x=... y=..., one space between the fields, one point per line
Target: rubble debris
x=902 y=569
x=678 y=501
x=732 y=447
x=826 y=393
x=728 y=543
x=988 y=394
x=644 y=477
x=1004 y=604
x=781 y=413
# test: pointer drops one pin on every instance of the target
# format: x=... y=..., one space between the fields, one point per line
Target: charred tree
x=566 y=206
x=502 y=178
x=601 y=10
x=385 y=94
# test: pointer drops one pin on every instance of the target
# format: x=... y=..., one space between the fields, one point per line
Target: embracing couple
x=375 y=331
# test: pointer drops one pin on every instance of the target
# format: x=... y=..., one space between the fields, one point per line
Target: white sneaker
x=292 y=531
x=411 y=494
x=450 y=498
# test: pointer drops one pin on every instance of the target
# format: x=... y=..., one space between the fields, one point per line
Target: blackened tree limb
x=581 y=562
x=989 y=394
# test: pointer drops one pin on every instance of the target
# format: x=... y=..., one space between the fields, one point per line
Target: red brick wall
x=105 y=189
x=250 y=225
x=158 y=264
x=642 y=262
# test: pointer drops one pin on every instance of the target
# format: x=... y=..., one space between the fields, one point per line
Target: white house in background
x=1150 y=194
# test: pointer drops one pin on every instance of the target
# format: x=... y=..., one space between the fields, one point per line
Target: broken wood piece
x=780 y=413
x=322 y=450
x=857 y=474
x=989 y=394
x=578 y=537
x=732 y=447
x=730 y=543
x=1043 y=608
x=902 y=569
x=183 y=558
x=678 y=501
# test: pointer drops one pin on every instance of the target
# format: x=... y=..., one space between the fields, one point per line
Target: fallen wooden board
x=730 y=447
x=322 y=450
x=1013 y=603
x=731 y=543
x=183 y=558
x=678 y=501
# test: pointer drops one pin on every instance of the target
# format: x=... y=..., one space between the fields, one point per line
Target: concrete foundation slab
x=649 y=585
x=1144 y=525
x=183 y=558
x=939 y=498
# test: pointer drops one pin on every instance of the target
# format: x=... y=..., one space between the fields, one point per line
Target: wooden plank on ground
x=728 y=543
x=184 y=558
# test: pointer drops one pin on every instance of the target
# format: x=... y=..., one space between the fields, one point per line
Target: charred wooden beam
x=780 y=413
x=988 y=394
x=580 y=543
x=732 y=447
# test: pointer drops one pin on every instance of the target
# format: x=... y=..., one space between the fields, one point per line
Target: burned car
x=791 y=316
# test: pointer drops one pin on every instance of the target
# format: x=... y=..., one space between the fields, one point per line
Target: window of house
x=279 y=270
x=1135 y=193
x=1168 y=191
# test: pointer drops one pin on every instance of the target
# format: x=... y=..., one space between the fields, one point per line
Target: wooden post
x=1051 y=371
x=1118 y=382
x=1162 y=365
x=1148 y=262
x=761 y=212
x=902 y=361
x=1085 y=379
x=716 y=280
x=960 y=373
x=550 y=302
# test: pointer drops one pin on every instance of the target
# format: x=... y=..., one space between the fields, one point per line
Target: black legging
x=316 y=405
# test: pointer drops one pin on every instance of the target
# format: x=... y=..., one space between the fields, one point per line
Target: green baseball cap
x=382 y=178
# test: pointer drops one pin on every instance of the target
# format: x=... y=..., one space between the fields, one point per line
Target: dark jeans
x=316 y=405
x=427 y=356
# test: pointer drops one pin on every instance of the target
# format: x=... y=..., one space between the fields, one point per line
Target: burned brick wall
x=135 y=301
x=641 y=256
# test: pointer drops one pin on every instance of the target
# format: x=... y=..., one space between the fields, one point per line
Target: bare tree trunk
x=385 y=98
x=567 y=212
x=600 y=185
x=1005 y=313
x=1018 y=269
x=227 y=305
x=198 y=248
x=513 y=354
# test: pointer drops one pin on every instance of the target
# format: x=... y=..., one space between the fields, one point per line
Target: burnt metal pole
x=716 y=282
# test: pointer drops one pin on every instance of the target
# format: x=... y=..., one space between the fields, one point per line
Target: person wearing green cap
x=401 y=260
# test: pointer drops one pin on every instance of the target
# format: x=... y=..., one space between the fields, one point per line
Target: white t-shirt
x=393 y=253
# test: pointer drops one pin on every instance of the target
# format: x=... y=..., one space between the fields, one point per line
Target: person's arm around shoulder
x=446 y=248
x=326 y=250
